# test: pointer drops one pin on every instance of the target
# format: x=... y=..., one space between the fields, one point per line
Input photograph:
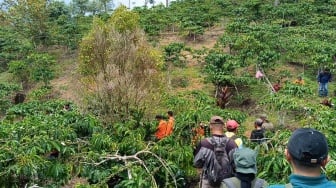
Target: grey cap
x=217 y=120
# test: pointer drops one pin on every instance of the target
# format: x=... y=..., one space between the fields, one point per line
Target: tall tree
x=80 y=7
x=29 y=18
x=119 y=69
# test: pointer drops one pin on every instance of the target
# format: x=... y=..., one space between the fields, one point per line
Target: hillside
x=79 y=88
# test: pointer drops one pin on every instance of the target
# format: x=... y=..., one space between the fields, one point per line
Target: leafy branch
x=136 y=159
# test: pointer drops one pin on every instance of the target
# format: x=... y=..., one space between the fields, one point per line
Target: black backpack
x=219 y=166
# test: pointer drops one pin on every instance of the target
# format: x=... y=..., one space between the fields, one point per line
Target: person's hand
x=199 y=171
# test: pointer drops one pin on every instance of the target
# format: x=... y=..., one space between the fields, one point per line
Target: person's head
x=67 y=106
x=307 y=150
x=258 y=123
x=231 y=125
x=326 y=70
x=245 y=160
x=216 y=123
x=158 y=117
x=170 y=113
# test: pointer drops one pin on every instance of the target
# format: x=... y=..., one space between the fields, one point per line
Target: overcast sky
x=131 y=3
x=136 y=2
x=127 y=3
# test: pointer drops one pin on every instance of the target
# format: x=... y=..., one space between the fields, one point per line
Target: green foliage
x=41 y=67
x=172 y=53
x=19 y=70
x=124 y=21
x=121 y=151
x=296 y=90
x=269 y=159
x=221 y=68
x=13 y=47
x=6 y=93
x=154 y=20
x=40 y=94
x=29 y=133
x=117 y=56
x=190 y=18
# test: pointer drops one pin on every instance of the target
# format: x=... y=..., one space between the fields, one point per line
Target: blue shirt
x=324 y=77
x=298 y=181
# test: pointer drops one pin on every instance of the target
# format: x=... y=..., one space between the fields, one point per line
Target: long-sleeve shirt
x=324 y=77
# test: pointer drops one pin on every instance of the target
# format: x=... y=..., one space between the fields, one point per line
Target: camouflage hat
x=216 y=120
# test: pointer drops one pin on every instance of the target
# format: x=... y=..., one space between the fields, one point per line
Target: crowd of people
x=224 y=162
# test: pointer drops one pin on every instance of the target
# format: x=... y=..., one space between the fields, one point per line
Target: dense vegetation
x=107 y=136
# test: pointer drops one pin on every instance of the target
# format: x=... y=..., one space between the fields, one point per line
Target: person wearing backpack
x=211 y=155
x=307 y=154
x=245 y=161
x=258 y=134
x=231 y=131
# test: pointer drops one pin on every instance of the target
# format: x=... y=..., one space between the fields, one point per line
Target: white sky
x=132 y=3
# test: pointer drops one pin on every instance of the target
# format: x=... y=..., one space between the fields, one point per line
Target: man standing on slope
x=323 y=78
x=307 y=153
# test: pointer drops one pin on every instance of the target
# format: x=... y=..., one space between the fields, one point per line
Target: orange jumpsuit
x=161 y=130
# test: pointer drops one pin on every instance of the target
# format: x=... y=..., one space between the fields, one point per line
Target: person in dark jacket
x=204 y=152
x=258 y=134
x=323 y=78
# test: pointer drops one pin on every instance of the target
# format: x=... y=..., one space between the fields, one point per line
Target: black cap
x=308 y=146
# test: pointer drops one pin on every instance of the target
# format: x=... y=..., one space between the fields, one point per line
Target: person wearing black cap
x=307 y=153
x=204 y=153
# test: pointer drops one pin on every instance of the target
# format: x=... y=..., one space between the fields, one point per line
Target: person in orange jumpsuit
x=299 y=81
x=161 y=130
